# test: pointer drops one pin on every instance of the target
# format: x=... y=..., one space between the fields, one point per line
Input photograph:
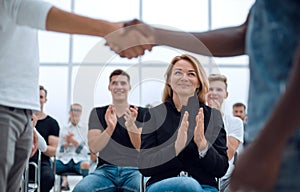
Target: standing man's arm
x=266 y=151
x=66 y=22
x=43 y=15
x=54 y=19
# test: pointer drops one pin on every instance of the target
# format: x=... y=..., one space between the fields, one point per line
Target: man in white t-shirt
x=233 y=125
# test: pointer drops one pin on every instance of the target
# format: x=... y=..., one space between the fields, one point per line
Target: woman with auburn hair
x=184 y=143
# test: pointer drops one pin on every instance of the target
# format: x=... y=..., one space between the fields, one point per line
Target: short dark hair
x=119 y=72
x=43 y=88
x=239 y=105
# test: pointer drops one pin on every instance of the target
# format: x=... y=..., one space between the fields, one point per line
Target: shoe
x=65 y=187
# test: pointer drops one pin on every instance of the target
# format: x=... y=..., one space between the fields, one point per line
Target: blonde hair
x=218 y=77
x=201 y=76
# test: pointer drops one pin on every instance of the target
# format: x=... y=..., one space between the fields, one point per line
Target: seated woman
x=184 y=143
x=72 y=153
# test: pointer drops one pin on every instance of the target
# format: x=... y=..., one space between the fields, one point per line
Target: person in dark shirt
x=49 y=130
x=184 y=142
x=114 y=132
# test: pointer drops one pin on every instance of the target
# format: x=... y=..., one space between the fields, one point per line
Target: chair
x=58 y=179
x=28 y=186
x=57 y=182
x=143 y=183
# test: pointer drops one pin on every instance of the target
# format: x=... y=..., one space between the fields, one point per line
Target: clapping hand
x=199 y=137
x=130 y=118
x=213 y=102
x=182 y=133
x=111 y=118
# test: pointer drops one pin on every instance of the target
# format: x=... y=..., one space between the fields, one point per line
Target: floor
x=73 y=180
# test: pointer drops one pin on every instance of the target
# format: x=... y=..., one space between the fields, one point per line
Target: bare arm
x=98 y=139
x=133 y=131
x=135 y=137
x=25 y=13
x=52 y=145
x=66 y=22
x=219 y=43
x=232 y=144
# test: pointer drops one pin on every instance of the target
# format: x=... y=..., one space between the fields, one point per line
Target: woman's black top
x=158 y=160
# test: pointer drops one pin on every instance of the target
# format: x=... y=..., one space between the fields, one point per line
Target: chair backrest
x=57 y=181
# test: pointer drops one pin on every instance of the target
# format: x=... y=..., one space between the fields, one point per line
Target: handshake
x=131 y=39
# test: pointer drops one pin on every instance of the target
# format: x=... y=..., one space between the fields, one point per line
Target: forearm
x=135 y=138
x=62 y=21
x=232 y=145
x=52 y=145
x=218 y=43
x=51 y=151
x=230 y=153
x=97 y=140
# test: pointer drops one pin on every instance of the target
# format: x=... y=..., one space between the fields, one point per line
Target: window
x=75 y=68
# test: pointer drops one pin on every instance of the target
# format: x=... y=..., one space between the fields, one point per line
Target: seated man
x=233 y=125
x=115 y=134
x=72 y=153
x=49 y=130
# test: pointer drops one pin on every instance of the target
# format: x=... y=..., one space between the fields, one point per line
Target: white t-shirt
x=235 y=128
x=19 y=52
x=80 y=135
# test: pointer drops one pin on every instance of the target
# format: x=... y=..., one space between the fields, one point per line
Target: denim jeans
x=111 y=178
x=70 y=166
x=179 y=184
